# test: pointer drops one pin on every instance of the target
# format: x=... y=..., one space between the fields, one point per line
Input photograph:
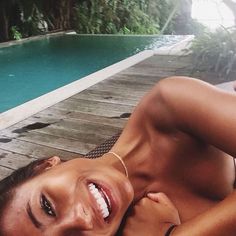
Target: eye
x=46 y=206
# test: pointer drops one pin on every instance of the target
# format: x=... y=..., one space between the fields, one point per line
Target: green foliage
x=163 y=10
x=195 y=28
x=15 y=34
x=215 y=51
x=139 y=22
x=32 y=17
x=116 y=16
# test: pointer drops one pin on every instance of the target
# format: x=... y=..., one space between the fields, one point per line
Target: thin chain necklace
x=121 y=161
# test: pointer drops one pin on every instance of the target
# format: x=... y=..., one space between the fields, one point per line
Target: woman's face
x=78 y=197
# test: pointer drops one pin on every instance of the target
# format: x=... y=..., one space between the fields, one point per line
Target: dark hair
x=19 y=176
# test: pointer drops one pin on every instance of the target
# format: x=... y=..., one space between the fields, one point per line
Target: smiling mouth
x=102 y=199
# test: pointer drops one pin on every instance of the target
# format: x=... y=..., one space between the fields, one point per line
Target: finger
x=161 y=198
x=153 y=196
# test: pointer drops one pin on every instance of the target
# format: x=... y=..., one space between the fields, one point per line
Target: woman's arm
x=205 y=113
x=154 y=217
x=194 y=107
x=208 y=114
x=218 y=221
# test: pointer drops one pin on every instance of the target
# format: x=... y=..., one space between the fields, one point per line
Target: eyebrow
x=32 y=217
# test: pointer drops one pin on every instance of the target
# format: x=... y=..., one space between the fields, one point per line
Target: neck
x=121 y=162
x=137 y=168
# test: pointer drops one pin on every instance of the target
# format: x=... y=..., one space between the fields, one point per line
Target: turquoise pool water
x=33 y=68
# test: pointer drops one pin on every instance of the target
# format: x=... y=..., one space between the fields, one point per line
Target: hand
x=151 y=216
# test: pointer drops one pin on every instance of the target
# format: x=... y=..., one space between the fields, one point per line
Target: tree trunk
x=58 y=13
x=49 y=13
x=66 y=16
x=232 y=6
x=183 y=17
x=4 y=24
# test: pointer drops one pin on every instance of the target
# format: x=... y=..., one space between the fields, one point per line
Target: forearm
x=218 y=221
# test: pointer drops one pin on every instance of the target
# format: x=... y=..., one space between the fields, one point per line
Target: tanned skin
x=183 y=138
x=179 y=144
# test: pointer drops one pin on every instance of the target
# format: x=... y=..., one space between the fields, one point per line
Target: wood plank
x=157 y=72
x=82 y=130
x=53 y=116
x=121 y=90
x=60 y=143
x=106 y=97
x=154 y=71
x=86 y=127
x=165 y=62
x=96 y=108
x=34 y=150
x=62 y=132
x=14 y=160
x=145 y=79
x=52 y=113
x=139 y=88
x=159 y=66
x=4 y=172
x=129 y=84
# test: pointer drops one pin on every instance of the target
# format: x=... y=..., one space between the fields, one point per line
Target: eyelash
x=46 y=206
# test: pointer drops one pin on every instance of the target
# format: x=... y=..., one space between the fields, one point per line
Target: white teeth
x=100 y=200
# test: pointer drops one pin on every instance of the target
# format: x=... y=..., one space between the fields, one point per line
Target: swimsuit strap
x=234 y=160
x=170 y=230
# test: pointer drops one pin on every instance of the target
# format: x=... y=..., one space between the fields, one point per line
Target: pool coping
x=25 y=110
x=33 y=38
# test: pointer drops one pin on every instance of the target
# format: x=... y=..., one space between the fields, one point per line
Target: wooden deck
x=77 y=125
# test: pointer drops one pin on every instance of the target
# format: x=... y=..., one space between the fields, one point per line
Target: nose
x=77 y=220
x=81 y=218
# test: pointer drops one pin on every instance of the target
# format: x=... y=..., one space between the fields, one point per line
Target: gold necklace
x=122 y=162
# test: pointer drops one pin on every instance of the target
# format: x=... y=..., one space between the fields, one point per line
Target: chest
x=212 y=177
x=195 y=176
x=196 y=184
x=199 y=167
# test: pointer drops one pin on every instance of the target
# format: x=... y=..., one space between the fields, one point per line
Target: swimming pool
x=34 y=68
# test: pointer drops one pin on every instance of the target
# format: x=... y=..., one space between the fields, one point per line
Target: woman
x=179 y=140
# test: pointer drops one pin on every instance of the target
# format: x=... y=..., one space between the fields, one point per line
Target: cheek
x=60 y=188
x=59 y=184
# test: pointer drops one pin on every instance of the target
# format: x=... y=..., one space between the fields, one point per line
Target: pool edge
x=177 y=49
x=25 y=110
x=33 y=38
